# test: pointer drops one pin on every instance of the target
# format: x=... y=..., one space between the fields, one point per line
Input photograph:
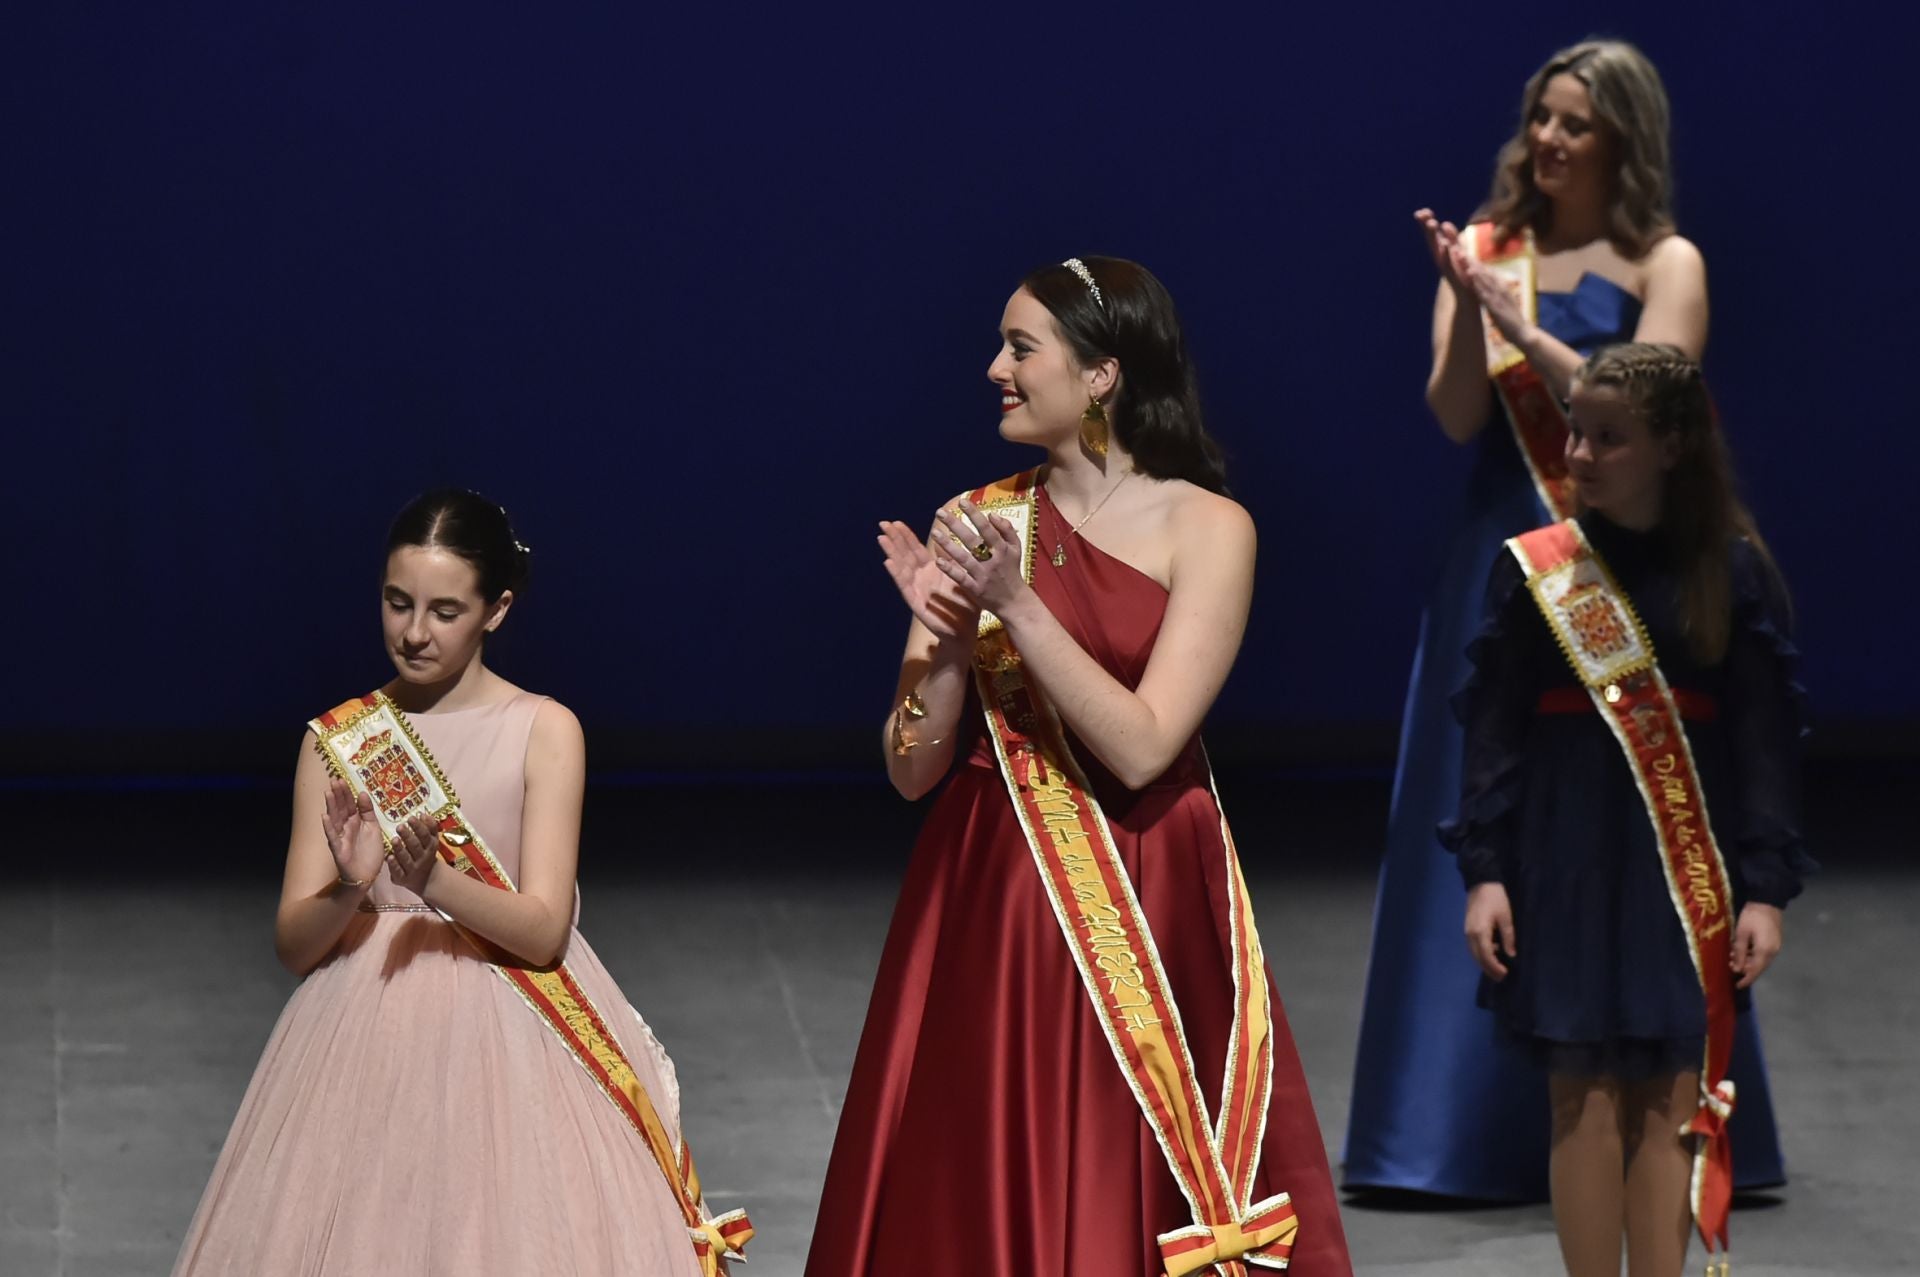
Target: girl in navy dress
x=1585 y=959
x=1440 y=1103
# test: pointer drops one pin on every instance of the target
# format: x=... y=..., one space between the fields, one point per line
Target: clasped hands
x=1474 y=283
x=972 y=561
x=353 y=836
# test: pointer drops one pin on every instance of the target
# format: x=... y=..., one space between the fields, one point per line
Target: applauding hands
x=1449 y=258
x=1473 y=283
x=353 y=836
x=972 y=560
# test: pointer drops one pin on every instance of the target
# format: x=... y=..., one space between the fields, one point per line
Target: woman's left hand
x=1493 y=293
x=1756 y=940
x=416 y=850
x=981 y=554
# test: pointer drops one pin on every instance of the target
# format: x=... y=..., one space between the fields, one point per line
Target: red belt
x=1695 y=707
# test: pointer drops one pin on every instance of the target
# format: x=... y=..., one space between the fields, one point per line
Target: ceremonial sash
x=368 y=743
x=1539 y=423
x=1596 y=626
x=1106 y=931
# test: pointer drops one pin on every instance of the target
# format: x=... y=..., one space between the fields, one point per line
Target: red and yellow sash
x=1539 y=423
x=369 y=743
x=1601 y=634
x=1107 y=932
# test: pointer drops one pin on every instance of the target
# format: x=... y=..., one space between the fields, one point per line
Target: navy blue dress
x=1603 y=983
x=1442 y=1101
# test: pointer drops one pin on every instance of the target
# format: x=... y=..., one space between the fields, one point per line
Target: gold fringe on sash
x=368 y=743
x=1603 y=639
x=1106 y=932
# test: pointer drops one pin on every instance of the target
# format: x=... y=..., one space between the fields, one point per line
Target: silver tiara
x=1079 y=268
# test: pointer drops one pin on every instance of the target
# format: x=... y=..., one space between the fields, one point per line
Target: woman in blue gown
x=1443 y=1104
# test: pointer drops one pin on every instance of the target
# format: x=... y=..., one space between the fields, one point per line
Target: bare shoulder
x=556 y=729
x=1675 y=248
x=1207 y=523
x=1191 y=508
x=309 y=766
x=1676 y=255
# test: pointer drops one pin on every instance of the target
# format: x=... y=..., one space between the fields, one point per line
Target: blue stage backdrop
x=701 y=292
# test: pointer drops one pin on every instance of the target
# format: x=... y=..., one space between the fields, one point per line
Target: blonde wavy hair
x=1631 y=105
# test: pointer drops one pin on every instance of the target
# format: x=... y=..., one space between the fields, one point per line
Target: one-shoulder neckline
x=1111 y=557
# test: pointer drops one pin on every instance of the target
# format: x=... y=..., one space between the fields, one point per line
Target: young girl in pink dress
x=412 y=1113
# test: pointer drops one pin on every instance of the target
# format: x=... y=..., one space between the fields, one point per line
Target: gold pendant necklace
x=1060 y=545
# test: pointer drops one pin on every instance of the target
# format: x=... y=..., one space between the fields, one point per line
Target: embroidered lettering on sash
x=1107 y=934
x=1594 y=622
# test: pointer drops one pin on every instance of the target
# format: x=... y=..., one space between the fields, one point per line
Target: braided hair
x=1702 y=513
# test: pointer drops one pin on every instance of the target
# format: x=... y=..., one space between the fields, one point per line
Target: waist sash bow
x=1597 y=628
x=1106 y=931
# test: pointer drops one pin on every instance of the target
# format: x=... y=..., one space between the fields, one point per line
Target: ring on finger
x=982 y=552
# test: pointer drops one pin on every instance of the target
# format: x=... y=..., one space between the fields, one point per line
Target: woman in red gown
x=989 y=1126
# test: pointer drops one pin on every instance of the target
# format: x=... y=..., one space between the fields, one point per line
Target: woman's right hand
x=353 y=835
x=934 y=599
x=1490 y=928
x=1443 y=245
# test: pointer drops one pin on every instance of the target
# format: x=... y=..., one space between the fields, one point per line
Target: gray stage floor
x=133 y=1014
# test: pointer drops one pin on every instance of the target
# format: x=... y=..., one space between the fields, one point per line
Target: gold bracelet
x=910 y=707
x=341 y=880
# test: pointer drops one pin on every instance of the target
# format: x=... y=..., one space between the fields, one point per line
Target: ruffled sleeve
x=1766 y=716
x=1496 y=708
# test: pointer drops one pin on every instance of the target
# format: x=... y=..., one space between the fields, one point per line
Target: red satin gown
x=987 y=1127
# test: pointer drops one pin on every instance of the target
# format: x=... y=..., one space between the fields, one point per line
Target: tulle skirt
x=411 y=1114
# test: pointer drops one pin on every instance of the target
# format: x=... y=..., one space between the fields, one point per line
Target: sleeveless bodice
x=482 y=752
x=1113 y=611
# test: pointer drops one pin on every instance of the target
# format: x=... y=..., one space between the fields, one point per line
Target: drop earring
x=1093 y=428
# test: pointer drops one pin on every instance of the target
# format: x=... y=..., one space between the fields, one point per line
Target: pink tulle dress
x=412 y=1115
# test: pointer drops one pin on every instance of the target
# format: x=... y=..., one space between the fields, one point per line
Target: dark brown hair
x=466 y=524
x=1702 y=514
x=1156 y=414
